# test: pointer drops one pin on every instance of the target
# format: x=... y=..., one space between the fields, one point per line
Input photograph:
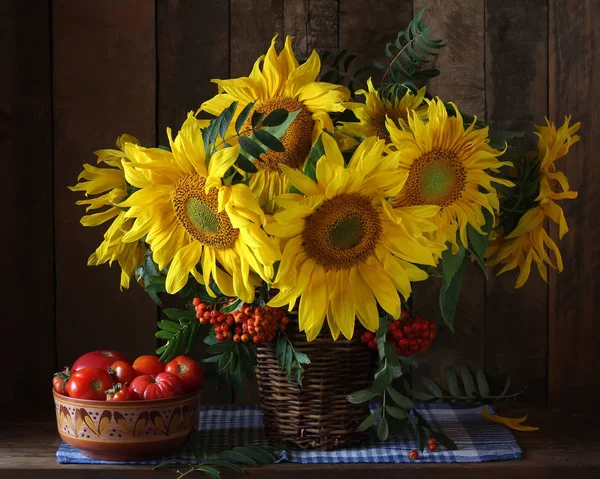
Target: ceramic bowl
x=128 y=430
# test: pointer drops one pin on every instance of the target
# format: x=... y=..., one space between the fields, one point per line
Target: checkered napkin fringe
x=222 y=427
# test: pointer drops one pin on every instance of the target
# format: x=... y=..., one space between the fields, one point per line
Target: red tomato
x=188 y=370
x=89 y=383
x=60 y=380
x=148 y=364
x=120 y=392
x=122 y=371
x=163 y=385
x=98 y=359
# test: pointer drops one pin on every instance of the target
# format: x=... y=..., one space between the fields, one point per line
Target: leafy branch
x=234 y=459
x=180 y=333
x=232 y=359
x=262 y=134
x=336 y=67
x=290 y=361
x=409 y=53
x=464 y=388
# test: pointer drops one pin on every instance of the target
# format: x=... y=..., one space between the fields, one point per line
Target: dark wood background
x=76 y=74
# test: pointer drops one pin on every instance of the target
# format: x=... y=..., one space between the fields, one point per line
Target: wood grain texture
x=193 y=49
x=104 y=85
x=253 y=25
x=27 y=260
x=565 y=446
x=313 y=23
x=516 y=324
x=367 y=26
x=574 y=329
x=461 y=23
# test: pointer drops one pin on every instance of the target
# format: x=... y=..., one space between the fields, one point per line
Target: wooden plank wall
x=78 y=74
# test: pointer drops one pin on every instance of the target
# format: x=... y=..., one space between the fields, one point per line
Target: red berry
x=433 y=447
x=404 y=315
x=367 y=336
x=393 y=326
x=407 y=328
x=373 y=344
x=220 y=337
x=414 y=455
x=197 y=301
x=432 y=440
x=398 y=334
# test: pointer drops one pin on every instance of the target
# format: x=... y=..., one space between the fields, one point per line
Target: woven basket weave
x=316 y=415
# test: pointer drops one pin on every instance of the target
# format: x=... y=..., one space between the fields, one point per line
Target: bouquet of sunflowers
x=292 y=209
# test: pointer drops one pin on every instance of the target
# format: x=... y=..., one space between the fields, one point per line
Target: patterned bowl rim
x=144 y=404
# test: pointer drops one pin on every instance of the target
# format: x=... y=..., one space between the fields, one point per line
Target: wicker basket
x=316 y=415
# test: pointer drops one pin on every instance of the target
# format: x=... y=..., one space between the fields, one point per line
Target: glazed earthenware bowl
x=128 y=430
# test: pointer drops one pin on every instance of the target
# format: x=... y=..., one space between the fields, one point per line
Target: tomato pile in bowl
x=113 y=409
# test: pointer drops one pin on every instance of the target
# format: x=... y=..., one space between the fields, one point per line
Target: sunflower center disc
x=197 y=213
x=296 y=140
x=436 y=178
x=342 y=232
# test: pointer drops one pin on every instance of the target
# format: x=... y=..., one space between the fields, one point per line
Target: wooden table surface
x=567 y=445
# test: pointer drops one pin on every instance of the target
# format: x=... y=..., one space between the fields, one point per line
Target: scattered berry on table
x=414 y=455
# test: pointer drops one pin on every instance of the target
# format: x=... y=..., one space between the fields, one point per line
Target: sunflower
x=527 y=243
x=278 y=81
x=372 y=114
x=345 y=248
x=188 y=216
x=447 y=166
x=109 y=183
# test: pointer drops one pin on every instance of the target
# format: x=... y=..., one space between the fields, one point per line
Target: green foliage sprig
x=408 y=55
x=180 y=332
x=337 y=67
x=234 y=459
x=396 y=410
x=291 y=362
x=262 y=134
x=464 y=388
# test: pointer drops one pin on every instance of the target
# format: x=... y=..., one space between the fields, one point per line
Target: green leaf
x=162 y=334
x=225 y=119
x=317 y=151
x=399 y=399
x=498 y=138
x=276 y=117
x=237 y=458
x=279 y=130
x=383 y=430
x=243 y=116
x=225 y=360
x=269 y=140
x=454 y=267
x=433 y=387
x=421 y=396
x=259 y=454
x=422 y=437
x=257 y=117
x=245 y=164
x=370 y=420
x=221 y=347
x=250 y=147
x=230 y=308
x=302 y=358
x=225 y=464
x=169 y=326
x=211 y=471
x=382 y=380
x=396 y=412
x=467 y=380
x=482 y=384
x=179 y=315
x=362 y=396
x=452 y=382
x=478 y=243
x=444 y=440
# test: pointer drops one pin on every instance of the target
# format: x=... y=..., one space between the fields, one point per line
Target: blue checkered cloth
x=222 y=427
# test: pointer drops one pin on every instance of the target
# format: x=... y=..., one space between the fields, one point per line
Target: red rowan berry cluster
x=409 y=336
x=258 y=325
